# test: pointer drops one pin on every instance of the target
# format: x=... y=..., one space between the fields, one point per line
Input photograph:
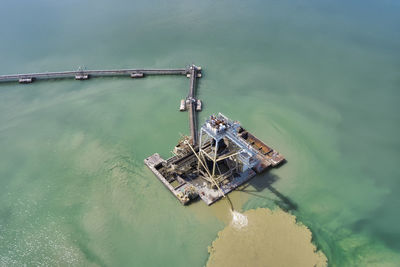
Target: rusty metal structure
x=226 y=156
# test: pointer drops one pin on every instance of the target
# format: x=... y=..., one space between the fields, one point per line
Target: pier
x=86 y=74
x=192 y=103
x=193 y=72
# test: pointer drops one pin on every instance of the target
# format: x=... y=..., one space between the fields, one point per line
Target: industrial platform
x=226 y=157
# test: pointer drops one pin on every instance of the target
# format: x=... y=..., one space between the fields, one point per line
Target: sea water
x=316 y=80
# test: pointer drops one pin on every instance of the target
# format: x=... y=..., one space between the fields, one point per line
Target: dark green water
x=318 y=80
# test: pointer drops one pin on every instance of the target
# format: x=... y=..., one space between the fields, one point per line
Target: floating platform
x=226 y=157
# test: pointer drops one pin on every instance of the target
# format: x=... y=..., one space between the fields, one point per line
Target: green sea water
x=317 y=80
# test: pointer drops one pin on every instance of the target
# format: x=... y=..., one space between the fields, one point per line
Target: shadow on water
x=265 y=181
x=373 y=223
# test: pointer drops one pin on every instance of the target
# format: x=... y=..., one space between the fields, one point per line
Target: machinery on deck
x=226 y=156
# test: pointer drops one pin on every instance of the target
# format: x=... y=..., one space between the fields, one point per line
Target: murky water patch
x=265 y=238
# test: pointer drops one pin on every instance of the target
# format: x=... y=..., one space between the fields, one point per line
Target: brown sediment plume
x=271 y=238
x=220 y=209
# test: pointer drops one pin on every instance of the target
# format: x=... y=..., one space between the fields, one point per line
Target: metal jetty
x=192 y=103
x=193 y=72
x=86 y=74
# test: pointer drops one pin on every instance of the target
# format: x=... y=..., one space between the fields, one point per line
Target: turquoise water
x=318 y=80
